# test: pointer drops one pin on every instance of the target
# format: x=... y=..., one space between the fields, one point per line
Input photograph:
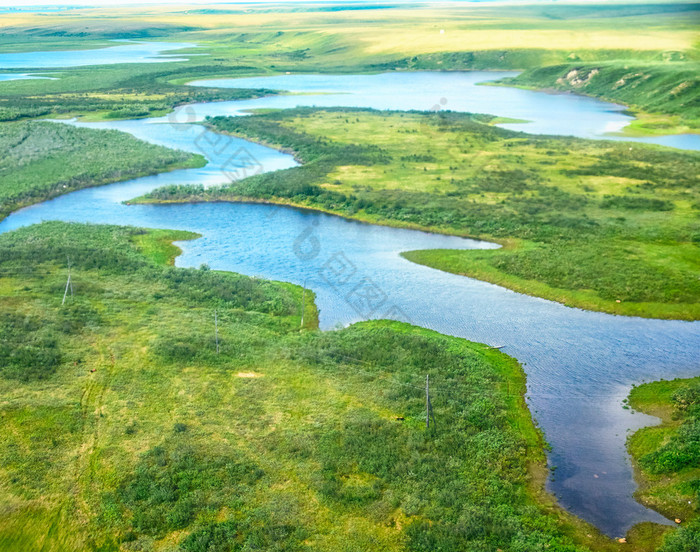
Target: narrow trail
x=92 y=416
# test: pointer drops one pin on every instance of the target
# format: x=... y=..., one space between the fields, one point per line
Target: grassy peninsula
x=667 y=456
x=593 y=224
x=40 y=160
x=125 y=430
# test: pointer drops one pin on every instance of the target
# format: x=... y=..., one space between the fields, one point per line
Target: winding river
x=580 y=364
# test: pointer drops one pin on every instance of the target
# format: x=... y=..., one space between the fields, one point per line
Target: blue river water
x=127 y=51
x=22 y=76
x=580 y=365
x=560 y=114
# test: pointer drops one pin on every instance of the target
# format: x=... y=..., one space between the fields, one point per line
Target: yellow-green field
x=258 y=39
x=124 y=429
x=404 y=31
x=129 y=424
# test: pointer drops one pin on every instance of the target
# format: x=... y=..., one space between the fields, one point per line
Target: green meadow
x=658 y=65
x=124 y=429
x=129 y=423
x=667 y=456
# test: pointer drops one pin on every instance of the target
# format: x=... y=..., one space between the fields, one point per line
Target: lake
x=21 y=76
x=546 y=113
x=127 y=51
x=580 y=365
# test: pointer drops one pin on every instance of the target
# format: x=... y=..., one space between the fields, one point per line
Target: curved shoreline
x=669 y=491
x=634 y=129
x=366 y=221
x=484 y=273
x=549 y=502
x=471 y=264
x=643 y=536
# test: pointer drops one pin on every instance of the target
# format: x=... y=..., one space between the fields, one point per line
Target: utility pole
x=303 y=297
x=69 y=284
x=427 y=401
x=216 y=331
x=428 y=405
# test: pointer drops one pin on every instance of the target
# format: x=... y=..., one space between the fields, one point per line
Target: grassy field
x=582 y=221
x=127 y=91
x=125 y=430
x=667 y=456
x=248 y=40
x=40 y=160
x=304 y=33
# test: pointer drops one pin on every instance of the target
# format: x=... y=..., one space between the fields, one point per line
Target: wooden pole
x=68 y=283
x=66 y=291
x=216 y=331
x=303 y=297
x=427 y=401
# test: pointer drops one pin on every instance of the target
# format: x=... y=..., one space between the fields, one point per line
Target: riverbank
x=476 y=264
x=666 y=457
x=645 y=124
x=663 y=96
x=580 y=218
x=298 y=463
x=479 y=265
x=42 y=160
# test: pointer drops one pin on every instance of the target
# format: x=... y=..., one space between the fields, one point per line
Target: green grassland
x=127 y=91
x=546 y=40
x=123 y=429
x=582 y=221
x=40 y=160
x=667 y=456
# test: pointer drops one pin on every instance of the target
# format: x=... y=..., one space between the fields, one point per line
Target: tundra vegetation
x=123 y=429
x=600 y=225
x=40 y=160
x=644 y=55
x=667 y=456
x=671 y=88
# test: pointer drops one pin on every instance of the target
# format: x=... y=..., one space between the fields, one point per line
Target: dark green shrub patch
x=28 y=350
